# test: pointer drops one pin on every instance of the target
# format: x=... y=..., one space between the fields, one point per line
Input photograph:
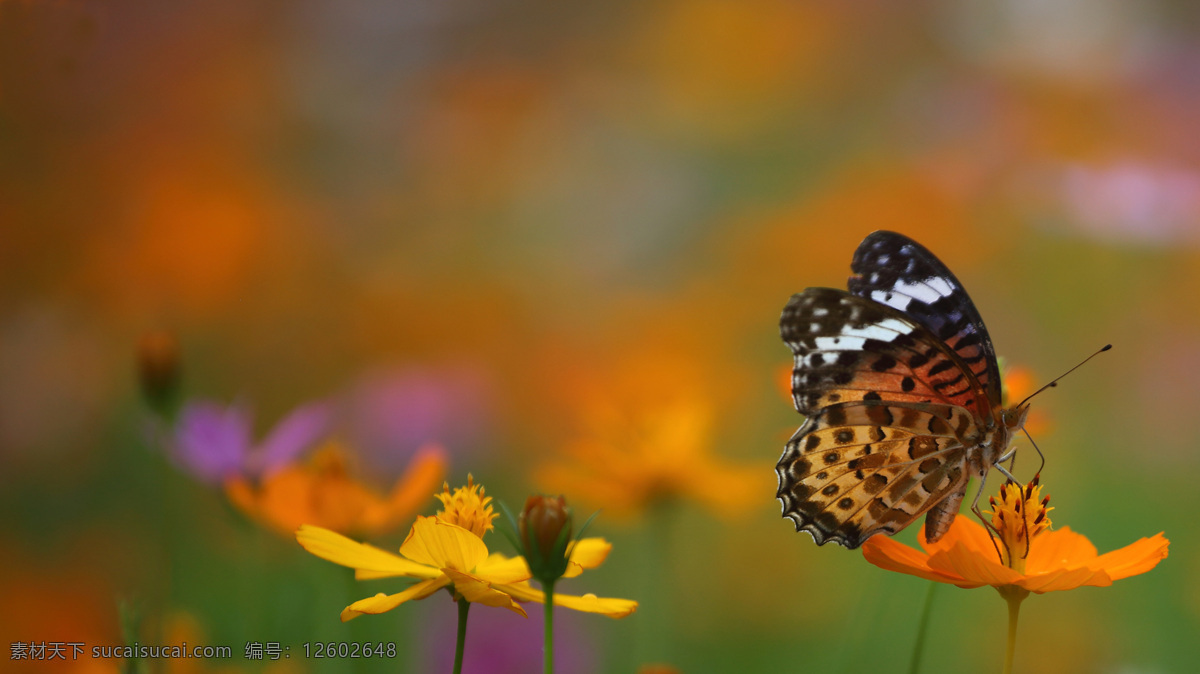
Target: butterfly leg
x=1010 y=454
x=1005 y=472
x=992 y=533
x=1024 y=520
x=1011 y=457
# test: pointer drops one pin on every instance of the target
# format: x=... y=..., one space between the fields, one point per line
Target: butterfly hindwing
x=849 y=348
x=894 y=270
x=859 y=468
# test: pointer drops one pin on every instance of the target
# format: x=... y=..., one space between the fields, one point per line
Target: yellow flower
x=629 y=464
x=322 y=492
x=442 y=554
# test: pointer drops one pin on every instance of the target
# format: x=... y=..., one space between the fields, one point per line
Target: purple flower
x=213 y=442
x=393 y=413
x=499 y=642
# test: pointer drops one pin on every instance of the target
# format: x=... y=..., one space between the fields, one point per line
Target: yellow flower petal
x=478 y=591
x=588 y=603
x=500 y=569
x=381 y=603
x=590 y=552
x=338 y=549
x=441 y=544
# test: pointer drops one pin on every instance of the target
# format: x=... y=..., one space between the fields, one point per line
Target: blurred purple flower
x=214 y=442
x=1134 y=201
x=393 y=413
x=499 y=642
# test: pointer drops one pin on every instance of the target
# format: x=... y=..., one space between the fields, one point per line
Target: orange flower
x=626 y=467
x=1045 y=562
x=1016 y=382
x=1028 y=557
x=323 y=493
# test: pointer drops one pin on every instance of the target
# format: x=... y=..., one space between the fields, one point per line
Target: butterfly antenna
x=1054 y=383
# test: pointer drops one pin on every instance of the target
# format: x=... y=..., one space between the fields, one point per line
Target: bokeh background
x=534 y=232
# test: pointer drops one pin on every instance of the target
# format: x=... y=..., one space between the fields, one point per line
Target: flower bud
x=545 y=529
x=158 y=369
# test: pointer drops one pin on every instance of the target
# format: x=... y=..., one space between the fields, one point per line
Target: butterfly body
x=898 y=380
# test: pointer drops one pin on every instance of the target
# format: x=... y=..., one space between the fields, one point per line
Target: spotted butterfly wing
x=899 y=384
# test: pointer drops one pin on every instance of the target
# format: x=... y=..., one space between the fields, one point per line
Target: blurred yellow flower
x=444 y=555
x=627 y=466
x=322 y=492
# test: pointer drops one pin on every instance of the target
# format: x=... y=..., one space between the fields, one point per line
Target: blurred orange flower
x=1016 y=383
x=322 y=492
x=628 y=465
x=1032 y=558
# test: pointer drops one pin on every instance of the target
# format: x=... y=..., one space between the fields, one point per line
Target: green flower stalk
x=545 y=530
x=543 y=536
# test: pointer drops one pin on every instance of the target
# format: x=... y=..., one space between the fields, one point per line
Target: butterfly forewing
x=848 y=348
x=860 y=468
x=893 y=269
x=898 y=379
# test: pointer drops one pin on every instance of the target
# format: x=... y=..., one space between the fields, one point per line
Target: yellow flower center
x=467 y=507
x=1019 y=516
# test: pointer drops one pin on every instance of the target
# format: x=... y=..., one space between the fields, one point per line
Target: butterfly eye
x=1014 y=417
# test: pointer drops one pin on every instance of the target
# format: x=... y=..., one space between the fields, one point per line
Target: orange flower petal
x=1137 y=557
x=964 y=530
x=975 y=568
x=423 y=475
x=1058 y=549
x=891 y=555
x=1065 y=579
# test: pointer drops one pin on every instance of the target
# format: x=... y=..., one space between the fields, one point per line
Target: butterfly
x=898 y=380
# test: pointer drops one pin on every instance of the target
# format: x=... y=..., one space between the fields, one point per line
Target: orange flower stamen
x=1018 y=517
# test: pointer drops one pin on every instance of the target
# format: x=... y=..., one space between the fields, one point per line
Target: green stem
x=1014 y=596
x=548 y=668
x=914 y=665
x=463 y=607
